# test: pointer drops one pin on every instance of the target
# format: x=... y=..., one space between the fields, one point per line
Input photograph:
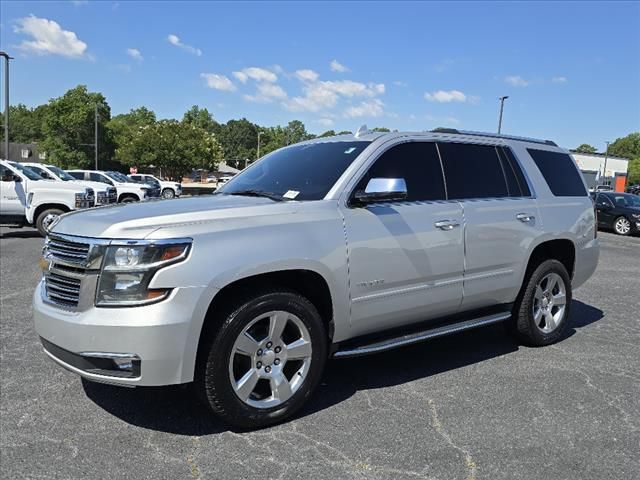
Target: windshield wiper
x=257 y=193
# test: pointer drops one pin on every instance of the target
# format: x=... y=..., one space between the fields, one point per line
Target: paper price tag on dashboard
x=291 y=194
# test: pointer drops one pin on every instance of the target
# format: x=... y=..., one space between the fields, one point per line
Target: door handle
x=525 y=217
x=446 y=224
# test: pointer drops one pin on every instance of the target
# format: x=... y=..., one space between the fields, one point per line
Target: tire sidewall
x=526 y=325
x=168 y=194
x=218 y=390
x=615 y=222
x=39 y=221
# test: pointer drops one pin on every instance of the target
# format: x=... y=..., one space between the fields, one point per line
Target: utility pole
x=259 y=135
x=95 y=136
x=502 y=99
x=606 y=155
x=6 y=103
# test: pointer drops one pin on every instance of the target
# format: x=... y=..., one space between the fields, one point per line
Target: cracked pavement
x=470 y=406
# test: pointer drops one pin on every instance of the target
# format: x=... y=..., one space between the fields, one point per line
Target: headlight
x=129 y=267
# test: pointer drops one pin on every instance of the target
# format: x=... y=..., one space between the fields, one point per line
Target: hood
x=97 y=186
x=138 y=220
x=55 y=185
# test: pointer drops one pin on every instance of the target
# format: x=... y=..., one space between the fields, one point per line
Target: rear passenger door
x=500 y=219
x=403 y=267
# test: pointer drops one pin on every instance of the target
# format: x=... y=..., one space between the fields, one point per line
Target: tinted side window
x=78 y=175
x=472 y=171
x=96 y=177
x=418 y=163
x=559 y=171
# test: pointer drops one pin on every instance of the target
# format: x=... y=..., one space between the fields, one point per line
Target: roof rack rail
x=494 y=135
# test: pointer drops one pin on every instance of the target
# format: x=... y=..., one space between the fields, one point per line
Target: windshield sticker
x=291 y=194
x=349 y=150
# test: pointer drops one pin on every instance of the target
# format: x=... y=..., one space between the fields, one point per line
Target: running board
x=417 y=337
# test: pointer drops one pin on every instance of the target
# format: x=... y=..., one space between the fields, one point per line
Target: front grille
x=102 y=199
x=57 y=248
x=62 y=289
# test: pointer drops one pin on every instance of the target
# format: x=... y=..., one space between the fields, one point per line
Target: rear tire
x=542 y=309
x=128 y=199
x=45 y=218
x=264 y=360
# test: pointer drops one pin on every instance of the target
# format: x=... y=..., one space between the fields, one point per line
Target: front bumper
x=162 y=337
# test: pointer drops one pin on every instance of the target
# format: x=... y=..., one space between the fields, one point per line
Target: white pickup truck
x=27 y=199
x=105 y=194
x=127 y=191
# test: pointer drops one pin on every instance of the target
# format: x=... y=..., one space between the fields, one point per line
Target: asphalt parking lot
x=470 y=406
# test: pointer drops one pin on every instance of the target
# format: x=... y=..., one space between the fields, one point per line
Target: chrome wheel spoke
x=549 y=321
x=281 y=388
x=539 y=293
x=277 y=323
x=246 y=345
x=246 y=384
x=537 y=316
x=559 y=300
x=299 y=349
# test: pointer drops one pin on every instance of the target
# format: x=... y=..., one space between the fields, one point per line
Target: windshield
x=299 y=172
x=625 y=200
x=26 y=171
x=118 y=177
x=61 y=174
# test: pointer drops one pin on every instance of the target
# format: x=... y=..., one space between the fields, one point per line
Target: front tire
x=45 y=218
x=168 y=194
x=264 y=360
x=541 y=311
x=128 y=199
x=622 y=226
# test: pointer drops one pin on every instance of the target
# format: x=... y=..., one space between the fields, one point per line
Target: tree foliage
x=174 y=147
x=68 y=129
x=25 y=123
x=586 y=148
x=200 y=117
x=629 y=147
x=123 y=127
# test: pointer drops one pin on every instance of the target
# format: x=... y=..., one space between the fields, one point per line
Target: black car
x=618 y=211
x=635 y=189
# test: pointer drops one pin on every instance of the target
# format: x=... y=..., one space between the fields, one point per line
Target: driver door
x=405 y=265
x=13 y=198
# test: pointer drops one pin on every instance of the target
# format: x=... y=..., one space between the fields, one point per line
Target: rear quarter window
x=559 y=172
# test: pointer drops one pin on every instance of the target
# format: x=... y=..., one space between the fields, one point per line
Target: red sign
x=133 y=170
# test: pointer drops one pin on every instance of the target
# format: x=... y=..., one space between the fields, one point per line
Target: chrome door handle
x=446 y=224
x=525 y=217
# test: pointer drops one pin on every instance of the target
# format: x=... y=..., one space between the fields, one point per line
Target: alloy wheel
x=550 y=302
x=622 y=226
x=270 y=359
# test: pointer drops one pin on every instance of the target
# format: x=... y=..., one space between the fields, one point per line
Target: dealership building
x=600 y=169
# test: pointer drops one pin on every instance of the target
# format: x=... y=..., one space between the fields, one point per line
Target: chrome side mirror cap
x=382 y=190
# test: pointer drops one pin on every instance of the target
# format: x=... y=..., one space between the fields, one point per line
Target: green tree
x=68 y=128
x=381 y=129
x=586 y=148
x=175 y=147
x=629 y=147
x=200 y=117
x=25 y=124
x=123 y=127
x=295 y=132
x=239 y=139
x=328 y=133
x=345 y=132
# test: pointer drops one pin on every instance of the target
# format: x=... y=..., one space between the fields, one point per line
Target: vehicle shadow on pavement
x=176 y=410
x=19 y=234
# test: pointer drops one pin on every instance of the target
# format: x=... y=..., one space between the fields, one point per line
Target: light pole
x=502 y=99
x=259 y=135
x=6 y=103
x=606 y=155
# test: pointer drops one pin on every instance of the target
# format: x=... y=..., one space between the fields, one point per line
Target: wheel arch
x=45 y=206
x=561 y=249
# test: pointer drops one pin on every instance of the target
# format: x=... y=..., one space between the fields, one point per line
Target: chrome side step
x=417 y=337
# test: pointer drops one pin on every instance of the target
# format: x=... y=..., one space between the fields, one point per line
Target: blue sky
x=571 y=70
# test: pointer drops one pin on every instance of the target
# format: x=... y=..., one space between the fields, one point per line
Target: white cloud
x=218 y=82
x=175 y=40
x=49 y=38
x=323 y=95
x=443 y=96
x=135 y=54
x=336 y=66
x=241 y=76
x=256 y=73
x=307 y=75
x=325 y=122
x=559 y=80
x=367 y=108
x=267 y=92
x=516 y=81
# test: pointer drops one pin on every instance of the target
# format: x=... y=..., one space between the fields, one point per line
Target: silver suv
x=335 y=247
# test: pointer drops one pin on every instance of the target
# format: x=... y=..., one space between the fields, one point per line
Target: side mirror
x=382 y=190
